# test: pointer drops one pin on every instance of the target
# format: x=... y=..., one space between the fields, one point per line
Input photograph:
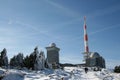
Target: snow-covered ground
x=69 y=73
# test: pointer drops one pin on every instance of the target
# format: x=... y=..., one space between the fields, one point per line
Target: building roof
x=52 y=45
x=94 y=55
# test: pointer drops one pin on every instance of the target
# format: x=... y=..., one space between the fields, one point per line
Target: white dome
x=52 y=45
x=94 y=55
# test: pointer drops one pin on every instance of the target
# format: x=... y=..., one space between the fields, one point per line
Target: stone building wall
x=53 y=54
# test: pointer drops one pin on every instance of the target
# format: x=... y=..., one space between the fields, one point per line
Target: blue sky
x=25 y=24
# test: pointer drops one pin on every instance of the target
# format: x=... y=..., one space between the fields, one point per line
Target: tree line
x=35 y=61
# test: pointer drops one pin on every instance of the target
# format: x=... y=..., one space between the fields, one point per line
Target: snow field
x=69 y=73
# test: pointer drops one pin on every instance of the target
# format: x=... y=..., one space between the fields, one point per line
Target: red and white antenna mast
x=85 y=36
x=86 y=53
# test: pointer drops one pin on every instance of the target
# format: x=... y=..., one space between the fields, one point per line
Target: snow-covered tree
x=26 y=62
x=35 y=60
x=20 y=59
x=4 y=58
x=13 y=61
x=17 y=61
x=42 y=58
x=117 y=69
x=40 y=61
x=29 y=61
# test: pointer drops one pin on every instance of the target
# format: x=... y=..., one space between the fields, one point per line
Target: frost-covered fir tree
x=4 y=58
x=29 y=60
x=40 y=61
x=42 y=58
x=36 y=60
x=13 y=61
x=26 y=62
x=32 y=57
x=17 y=61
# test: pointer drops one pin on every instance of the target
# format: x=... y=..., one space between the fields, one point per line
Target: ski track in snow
x=69 y=73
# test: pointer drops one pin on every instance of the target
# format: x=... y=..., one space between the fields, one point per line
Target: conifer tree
x=26 y=62
x=29 y=61
x=117 y=69
x=17 y=61
x=3 y=58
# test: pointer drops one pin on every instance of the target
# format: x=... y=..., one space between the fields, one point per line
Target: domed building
x=52 y=45
x=95 y=60
x=52 y=54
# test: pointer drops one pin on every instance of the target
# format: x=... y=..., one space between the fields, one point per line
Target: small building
x=95 y=60
x=53 y=54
